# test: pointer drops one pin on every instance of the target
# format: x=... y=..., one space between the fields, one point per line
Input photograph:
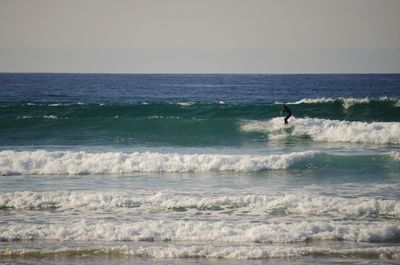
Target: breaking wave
x=328 y=130
x=37 y=117
x=42 y=162
x=211 y=251
x=219 y=231
x=395 y=155
x=298 y=203
x=346 y=102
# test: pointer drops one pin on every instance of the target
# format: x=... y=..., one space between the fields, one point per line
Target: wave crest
x=395 y=155
x=323 y=130
x=313 y=204
x=42 y=162
x=220 y=231
x=347 y=102
x=210 y=251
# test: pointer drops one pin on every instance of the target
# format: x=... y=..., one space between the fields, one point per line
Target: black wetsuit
x=287 y=110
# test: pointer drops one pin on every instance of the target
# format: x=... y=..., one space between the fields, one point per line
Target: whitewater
x=155 y=169
x=329 y=130
x=43 y=162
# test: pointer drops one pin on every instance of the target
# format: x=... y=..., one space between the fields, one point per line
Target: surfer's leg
x=286 y=118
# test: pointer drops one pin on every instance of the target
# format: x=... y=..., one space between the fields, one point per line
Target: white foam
x=349 y=102
x=55 y=104
x=211 y=251
x=395 y=155
x=313 y=101
x=44 y=117
x=204 y=231
x=71 y=163
x=69 y=104
x=329 y=130
x=185 y=104
x=25 y=117
x=163 y=117
x=50 y=117
x=297 y=203
x=346 y=102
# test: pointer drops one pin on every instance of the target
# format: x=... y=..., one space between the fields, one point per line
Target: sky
x=202 y=36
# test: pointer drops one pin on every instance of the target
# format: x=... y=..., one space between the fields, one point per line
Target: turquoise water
x=197 y=124
x=200 y=169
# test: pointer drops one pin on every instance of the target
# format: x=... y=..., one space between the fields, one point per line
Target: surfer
x=287 y=110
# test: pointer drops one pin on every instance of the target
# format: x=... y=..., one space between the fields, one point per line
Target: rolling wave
x=395 y=155
x=278 y=204
x=187 y=123
x=219 y=231
x=334 y=106
x=210 y=251
x=42 y=162
x=323 y=130
x=347 y=102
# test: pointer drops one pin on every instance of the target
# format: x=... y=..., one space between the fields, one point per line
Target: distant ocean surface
x=199 y=169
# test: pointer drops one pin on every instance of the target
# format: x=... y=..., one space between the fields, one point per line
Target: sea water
x=199 y=169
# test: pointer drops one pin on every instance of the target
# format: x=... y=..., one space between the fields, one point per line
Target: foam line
x=346 y=102
x=71 y=163
x=221 y=231
x=323 y=130
x=395 y=155
x=210 y=251
x=38 y=117
x=297 y=203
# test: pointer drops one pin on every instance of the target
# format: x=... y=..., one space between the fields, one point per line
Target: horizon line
x=203 y=73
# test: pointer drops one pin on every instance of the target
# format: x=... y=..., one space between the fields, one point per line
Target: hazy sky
x=203 y=36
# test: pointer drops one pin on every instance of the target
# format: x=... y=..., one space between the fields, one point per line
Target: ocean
x=199 y=169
